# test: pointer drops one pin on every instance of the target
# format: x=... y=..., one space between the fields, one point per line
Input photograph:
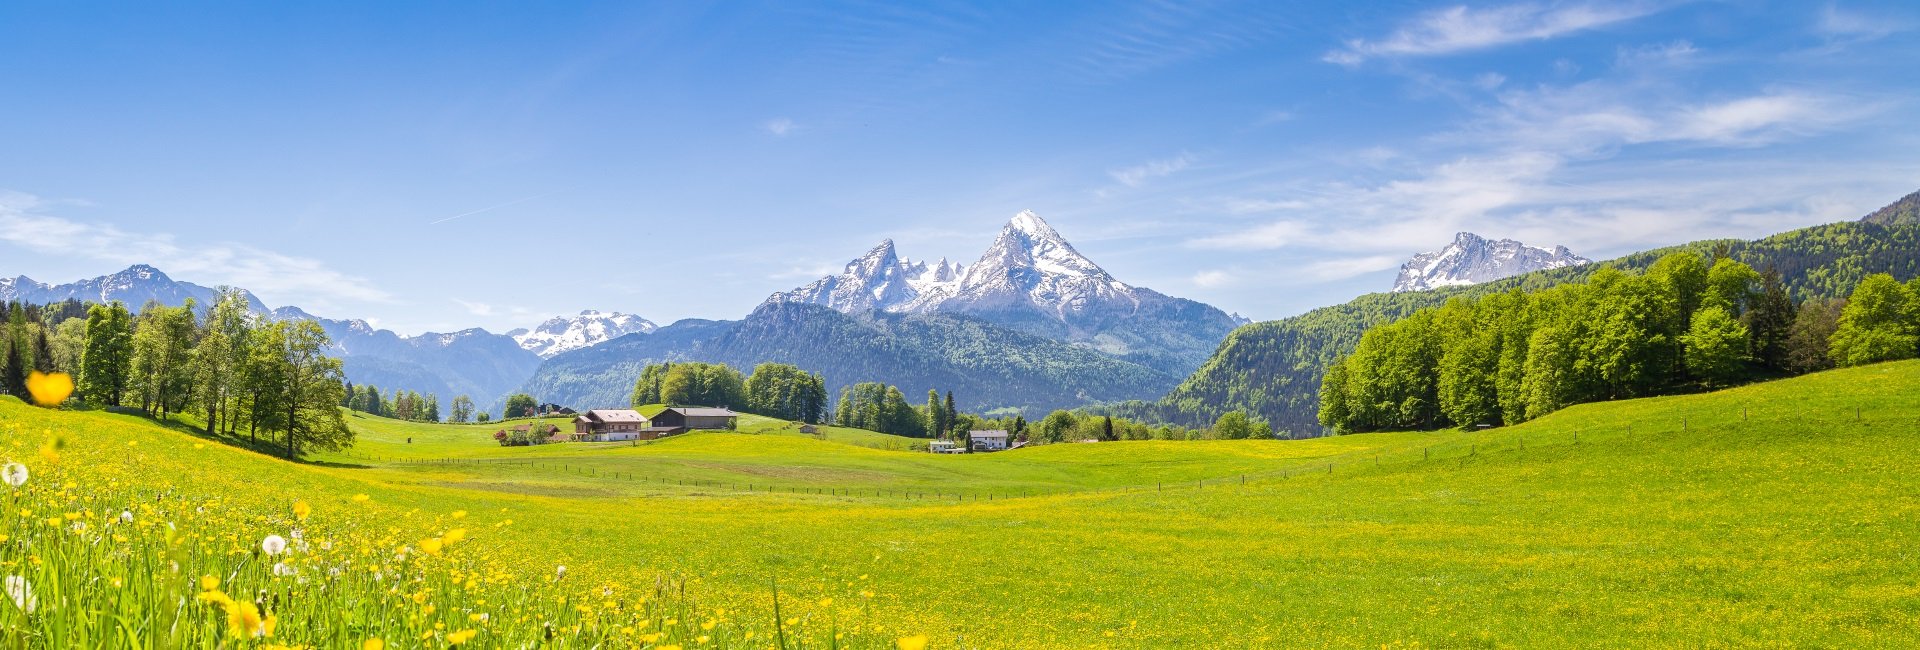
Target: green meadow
x=1777 y=514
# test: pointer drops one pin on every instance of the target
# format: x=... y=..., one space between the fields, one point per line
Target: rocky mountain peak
x=592 y=327
x=1472 y=259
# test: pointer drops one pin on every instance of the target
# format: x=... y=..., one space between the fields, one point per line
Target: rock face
x=1472 y=259
x=590 y=328
x=1032 y=280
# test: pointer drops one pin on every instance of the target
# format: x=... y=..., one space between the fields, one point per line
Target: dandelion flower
x=301 y=510
x=373 y=644
x=463 y=636
x=14 y=474
x=560 y=572
x=273 y=544
x=360 y=498
x=430 y=546
x=126 y=516
x=281 y=569
x=49 y=389
x=459 y=514
x=915 y=642
x=21 y=592
x=209 y=583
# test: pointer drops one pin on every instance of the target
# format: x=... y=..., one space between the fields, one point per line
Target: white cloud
x=1279 y=234
x=266 y=273
x=1213 y=278
x=475 y=308
x=1461 y=28
x=780 y=126
x=1849 y=24
x=1137 y=174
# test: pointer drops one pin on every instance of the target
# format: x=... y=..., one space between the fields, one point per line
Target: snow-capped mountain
x=562 y=334
x=135 y=286
x=1030 y=279
x=1472 y=259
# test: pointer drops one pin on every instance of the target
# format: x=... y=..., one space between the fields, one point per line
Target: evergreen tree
x=432 y=411
x=1770 y=322
x=43 y=357
x=937 y=425
x=1106 y=429
x=13 y=380
x=950 y=413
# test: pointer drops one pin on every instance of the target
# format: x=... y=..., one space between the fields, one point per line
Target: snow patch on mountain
x=1472 y=259
x=564 y=334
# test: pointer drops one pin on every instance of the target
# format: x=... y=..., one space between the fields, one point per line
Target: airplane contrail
x=485 y=209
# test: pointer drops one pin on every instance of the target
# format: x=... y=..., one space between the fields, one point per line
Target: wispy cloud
x=475 y=308
x=264 y=272
x=1461 y=28
x=780 y=126
x=1213 y=278
x=1835 y=22
x=1137 y=174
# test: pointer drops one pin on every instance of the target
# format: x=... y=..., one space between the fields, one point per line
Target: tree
x=1731 y=286
x=646 y=390
x=1106 y=429
x=519 y=405
x=1716 y=346
x=1334 y=411
x=1807 y=341
x=1770 y=322
x=782 y=391
x=163 y=341
x=431 y=412
x=462 y=409
x=1233 y=425
x=705 y=384
x=937 y=424
x=105 y=365
x=220 y=356
x=483 y=417
x=298 y=387
x=14 y=380
x=951 y=412
x=1877 y=324
x=1055 y=426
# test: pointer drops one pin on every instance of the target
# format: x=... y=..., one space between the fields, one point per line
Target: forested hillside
x=1273 y=369
x=987 y=366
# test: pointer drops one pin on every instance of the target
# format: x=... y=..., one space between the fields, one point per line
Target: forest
x=1689 y=323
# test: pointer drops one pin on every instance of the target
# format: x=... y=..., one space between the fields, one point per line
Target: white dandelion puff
x=273 y=544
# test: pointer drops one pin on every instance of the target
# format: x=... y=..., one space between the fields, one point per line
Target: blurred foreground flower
x=49 y=389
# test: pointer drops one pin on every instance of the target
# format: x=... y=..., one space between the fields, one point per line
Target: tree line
x=1689 y=322
x=406 y=405
x=231 y=368
x=775 y=390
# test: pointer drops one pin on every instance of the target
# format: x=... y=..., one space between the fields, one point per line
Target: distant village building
x=808 y=428
x=988 y=440
x=944 y=447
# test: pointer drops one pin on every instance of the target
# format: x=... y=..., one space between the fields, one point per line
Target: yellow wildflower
x=301 y=510
x=457 y=638
x=209 y=583
x=915 y=642
x=373 y=644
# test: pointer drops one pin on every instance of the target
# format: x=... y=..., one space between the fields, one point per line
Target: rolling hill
x=1272 y=369
x=1773 y=514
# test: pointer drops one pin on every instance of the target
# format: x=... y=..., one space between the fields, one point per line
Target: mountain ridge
x=1033 y=280
x=1472 y=259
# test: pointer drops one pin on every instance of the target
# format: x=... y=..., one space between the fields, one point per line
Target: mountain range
x=473 y=362
x=1031 y=279
x=1472 y=259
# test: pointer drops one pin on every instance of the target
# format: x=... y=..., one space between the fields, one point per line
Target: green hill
x=1272 y=369
x=1774 y=514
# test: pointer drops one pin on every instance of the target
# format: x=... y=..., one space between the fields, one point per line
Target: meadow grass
x=1770 y=515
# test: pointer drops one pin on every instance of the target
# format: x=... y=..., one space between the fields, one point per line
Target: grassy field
x=1780 y=514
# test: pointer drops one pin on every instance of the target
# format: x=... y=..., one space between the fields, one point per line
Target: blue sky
x=446 y=165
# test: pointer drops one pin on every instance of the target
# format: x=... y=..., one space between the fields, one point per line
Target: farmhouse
x=607 y=425
x=688 y=418
x=944 y=447
x=990 y=440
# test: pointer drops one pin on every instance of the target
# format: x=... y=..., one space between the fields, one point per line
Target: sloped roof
x=616 y=415
x=988 y=433
x=703 y=412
